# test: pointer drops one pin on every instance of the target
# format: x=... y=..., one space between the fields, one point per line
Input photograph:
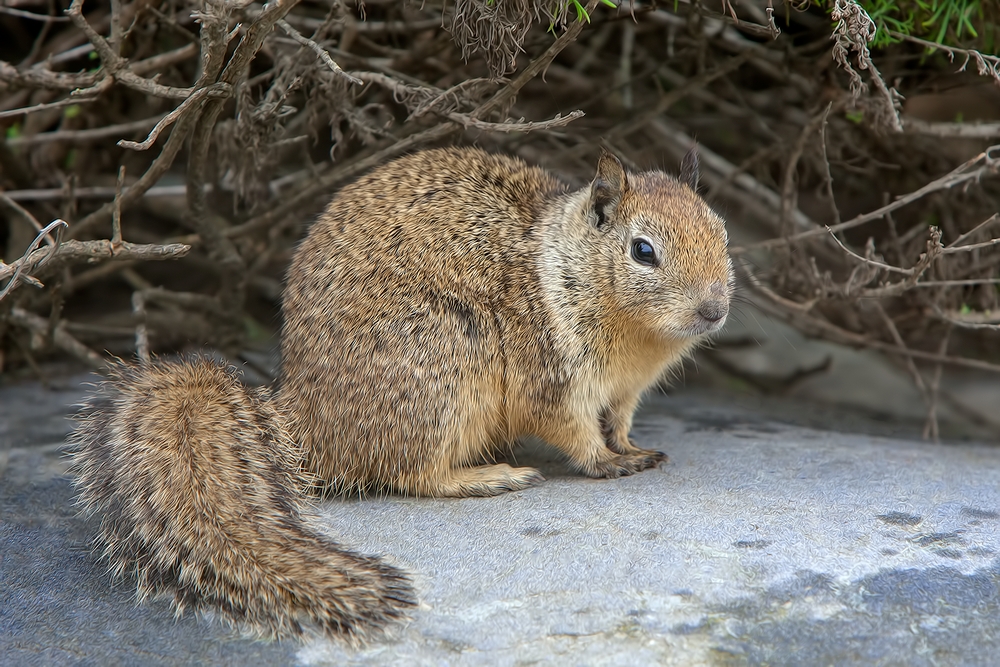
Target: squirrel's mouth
x=702 y=325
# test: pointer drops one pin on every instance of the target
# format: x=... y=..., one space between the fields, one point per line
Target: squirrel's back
x=420 y=280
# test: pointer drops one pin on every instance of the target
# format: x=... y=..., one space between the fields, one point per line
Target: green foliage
x=856 y=116
x=951 y=22
x=581 y=11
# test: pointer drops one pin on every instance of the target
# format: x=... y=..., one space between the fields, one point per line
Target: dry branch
x=975 y=169
x=90 y=252
x=266 y=131
x=318 y=50
x=33 y=258
x=197 y=96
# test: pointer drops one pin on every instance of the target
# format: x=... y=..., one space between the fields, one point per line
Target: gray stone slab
x=759 y=543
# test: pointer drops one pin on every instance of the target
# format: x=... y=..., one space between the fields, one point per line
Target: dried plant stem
x=141 y=335
x=116 y=216
x=799 y=316
x=972 y=170
x=33 y=258
x=61 y=338
x=73 y=252
x=218 y=89
x=318 y=50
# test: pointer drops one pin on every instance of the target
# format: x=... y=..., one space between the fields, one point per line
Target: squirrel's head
x=664 y=247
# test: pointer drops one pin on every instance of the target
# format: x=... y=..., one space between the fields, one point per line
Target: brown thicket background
x=160 y=158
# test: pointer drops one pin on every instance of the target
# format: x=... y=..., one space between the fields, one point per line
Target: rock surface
x=760 y=543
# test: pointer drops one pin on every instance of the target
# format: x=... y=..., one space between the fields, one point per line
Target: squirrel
x=443 y=306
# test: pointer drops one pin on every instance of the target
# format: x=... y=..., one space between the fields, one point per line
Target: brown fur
x=452 y=301
x=443 y=306
x=201 y=495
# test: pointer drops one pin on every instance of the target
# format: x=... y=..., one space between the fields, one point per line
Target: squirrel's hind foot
x=489 y=480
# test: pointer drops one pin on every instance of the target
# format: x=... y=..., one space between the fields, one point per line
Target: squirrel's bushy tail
x=202 y=495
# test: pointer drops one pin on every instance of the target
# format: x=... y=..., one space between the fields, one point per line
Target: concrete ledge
x=759 y=543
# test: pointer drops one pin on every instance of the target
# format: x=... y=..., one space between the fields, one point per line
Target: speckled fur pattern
x=453 y=301
x=445 y=305
x=202 y=496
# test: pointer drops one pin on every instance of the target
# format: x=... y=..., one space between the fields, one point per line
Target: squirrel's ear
x=689 y=168
x=606 y=189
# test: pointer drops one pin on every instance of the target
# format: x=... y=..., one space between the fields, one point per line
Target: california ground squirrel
x=443 y=306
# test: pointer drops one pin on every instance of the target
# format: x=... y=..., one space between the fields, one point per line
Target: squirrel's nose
x=714 y=310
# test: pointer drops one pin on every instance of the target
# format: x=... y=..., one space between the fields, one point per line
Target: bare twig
x=506 y=95
x=210 y=226
x=116 y=66
x=981 y=226
x=105 y=192
x=958 y=283
x=980 y=321
x=871 y=262
x=21 y=211
x=116 y=216
x=953 y=130
x=196 y=97
x=32 y=16
x=430 y=95
x=73 y=252
x=972 y=170
x=799 y=315
x=715 y=162
x=141 y=335
x=159 y=167
x=61 y=338
x=788 y=190
x=367 y=160
x=827 y=176
x=318 y=50
x=667 y=100
x=85 y=136
x=918 y=379
x=10 y=113
x=516 y=126
x=931 y=429
x=33 y=258
x=80 y=83
x=368 y=27
x=975 y=246
x=986 y=65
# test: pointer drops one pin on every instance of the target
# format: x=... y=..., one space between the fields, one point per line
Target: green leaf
x=72 y=111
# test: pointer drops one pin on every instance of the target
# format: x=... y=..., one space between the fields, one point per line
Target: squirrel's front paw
x=628 y=464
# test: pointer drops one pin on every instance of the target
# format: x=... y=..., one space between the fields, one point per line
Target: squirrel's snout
x=715 y=306
x=714 y=309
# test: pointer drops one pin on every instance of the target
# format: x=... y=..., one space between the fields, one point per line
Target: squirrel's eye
x=642 y=252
